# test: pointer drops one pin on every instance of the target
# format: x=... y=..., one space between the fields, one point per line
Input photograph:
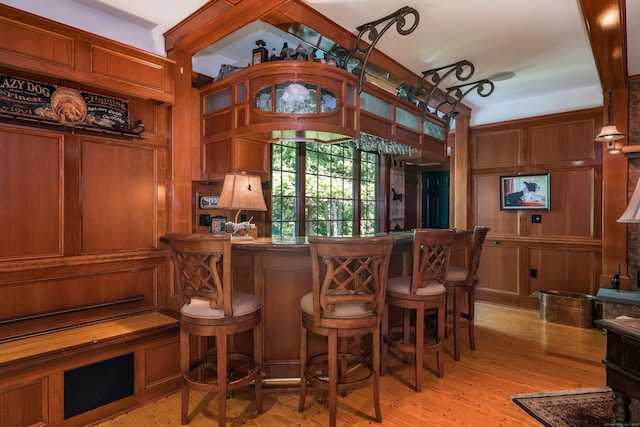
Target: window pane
x=330 y=193
x=329 y=189
x=284 y=160
x=368 y=184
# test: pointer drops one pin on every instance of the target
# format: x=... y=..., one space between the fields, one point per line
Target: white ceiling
x=544 y=42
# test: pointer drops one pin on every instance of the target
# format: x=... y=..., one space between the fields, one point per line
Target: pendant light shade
x=632 y=214
x=609 y=131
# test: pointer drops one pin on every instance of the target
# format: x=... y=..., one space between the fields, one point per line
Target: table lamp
x=241 y=191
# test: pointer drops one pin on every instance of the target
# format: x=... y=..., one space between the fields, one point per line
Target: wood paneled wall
x=82 y=211
x=83 y=222
x=564 y=251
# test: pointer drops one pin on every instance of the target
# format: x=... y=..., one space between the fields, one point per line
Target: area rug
x=586 y=407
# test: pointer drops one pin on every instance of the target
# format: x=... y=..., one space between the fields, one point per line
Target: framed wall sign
x=209 y=202
x=524 y=192
x=219 y=224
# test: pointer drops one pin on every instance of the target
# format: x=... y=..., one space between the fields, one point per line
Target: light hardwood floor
x=515 y=353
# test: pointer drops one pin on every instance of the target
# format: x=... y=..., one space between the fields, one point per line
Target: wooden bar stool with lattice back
x=202 y=266
x=461 y=285
x=418 y=295
x=349 y=283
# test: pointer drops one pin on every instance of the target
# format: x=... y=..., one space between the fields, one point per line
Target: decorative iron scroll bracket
x=398 y=18
x=463 y=71
x=455 y=94
x=422 y=96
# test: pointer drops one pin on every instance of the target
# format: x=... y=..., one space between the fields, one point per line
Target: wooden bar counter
x=278 y=271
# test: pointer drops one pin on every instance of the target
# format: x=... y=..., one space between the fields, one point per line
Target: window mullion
x=301 y=190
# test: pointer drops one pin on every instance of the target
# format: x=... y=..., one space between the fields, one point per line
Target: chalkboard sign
x=27 y=98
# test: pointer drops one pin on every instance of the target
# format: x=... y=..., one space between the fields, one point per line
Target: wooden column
x=610 y=53
x=179 y=190
x=614 y=196
x=460 y=174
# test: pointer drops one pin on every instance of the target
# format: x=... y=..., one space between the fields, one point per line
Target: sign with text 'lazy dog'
x=45 y=102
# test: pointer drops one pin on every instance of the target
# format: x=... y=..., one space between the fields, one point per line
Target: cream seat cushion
x=242 y=304
x=402 y=286
x=342 y=311
x=456 y=274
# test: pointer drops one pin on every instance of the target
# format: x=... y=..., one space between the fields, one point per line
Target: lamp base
x=242 y=234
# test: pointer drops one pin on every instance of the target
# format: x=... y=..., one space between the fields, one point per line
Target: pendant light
x=609 y=131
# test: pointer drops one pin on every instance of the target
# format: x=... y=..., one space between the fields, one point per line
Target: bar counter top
x=296 y=243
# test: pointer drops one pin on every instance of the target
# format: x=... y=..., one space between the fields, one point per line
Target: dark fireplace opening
x=91 y=386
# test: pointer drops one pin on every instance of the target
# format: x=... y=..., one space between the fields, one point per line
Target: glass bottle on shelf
x=301 y=53
x=274 y=56
x=311 y=54
x=285 y=53
x=260 y=54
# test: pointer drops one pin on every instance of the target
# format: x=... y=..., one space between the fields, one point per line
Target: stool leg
x=440 y=350
x=303 y=362
x=221 y=345
x=333 y=376
x=257 y=359
x=419 y=346
x=406 y=330
x=449 y=312
x=376 y=374
x=456 y=323
x=385 y=335
x=343 y=368
x=184 y=367
x=471 y=311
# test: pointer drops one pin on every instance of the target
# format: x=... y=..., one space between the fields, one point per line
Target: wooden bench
x=133 y=359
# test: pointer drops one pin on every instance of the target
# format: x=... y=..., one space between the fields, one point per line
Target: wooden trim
x=82 y=57
x=16 y=352
x=215 y=21
x=608 y=39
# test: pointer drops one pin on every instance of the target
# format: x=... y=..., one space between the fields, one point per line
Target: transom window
x=322 y=189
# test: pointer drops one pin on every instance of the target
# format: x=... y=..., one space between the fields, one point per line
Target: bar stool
x=416 y=295
x=202 y=266
x=349 y=283
x=461 y=288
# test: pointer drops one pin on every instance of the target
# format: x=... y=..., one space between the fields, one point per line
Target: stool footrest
x=203 y=372
x=395 y=337
x=359 y=373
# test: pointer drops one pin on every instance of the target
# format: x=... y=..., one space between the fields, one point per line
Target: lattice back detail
x=201 y=276
x=479 y=234
x=431 y=254
x=350 y=270
x=202 y=266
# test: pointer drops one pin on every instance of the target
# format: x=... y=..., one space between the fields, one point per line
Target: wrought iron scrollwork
x=455 y=94
x=463 y=71
x=356 y=59
x=370 y=29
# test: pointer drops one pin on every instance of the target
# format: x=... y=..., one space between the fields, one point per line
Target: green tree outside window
x=339 y=187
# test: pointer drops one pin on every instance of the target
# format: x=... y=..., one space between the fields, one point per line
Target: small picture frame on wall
x=524 y=192
x=209 y=202
x=218 y=224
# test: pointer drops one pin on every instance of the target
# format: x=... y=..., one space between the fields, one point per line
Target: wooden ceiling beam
x=606 y=25
x=214 y=21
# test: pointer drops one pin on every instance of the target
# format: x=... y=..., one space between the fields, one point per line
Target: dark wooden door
x=435 y=199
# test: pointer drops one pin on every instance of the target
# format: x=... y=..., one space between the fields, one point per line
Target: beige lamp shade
x=609 y=131
x=243 y=192
x=632 y=214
